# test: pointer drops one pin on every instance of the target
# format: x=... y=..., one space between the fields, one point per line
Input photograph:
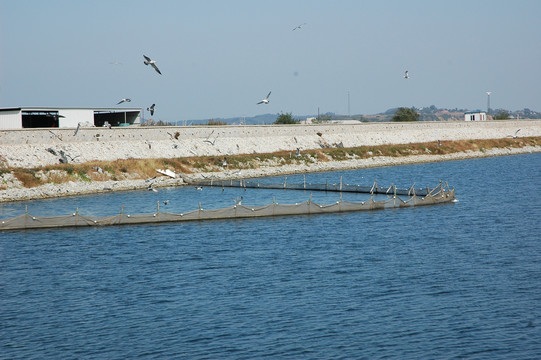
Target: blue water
x=458 y=280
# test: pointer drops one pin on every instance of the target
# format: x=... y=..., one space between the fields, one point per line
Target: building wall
x=11 y=119
x=481 y=116
x=75 y=116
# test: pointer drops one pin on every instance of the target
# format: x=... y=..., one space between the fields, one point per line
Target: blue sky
x=219 y=58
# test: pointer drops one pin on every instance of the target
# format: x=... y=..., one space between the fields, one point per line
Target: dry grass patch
x=146 y=168
x=27 y=177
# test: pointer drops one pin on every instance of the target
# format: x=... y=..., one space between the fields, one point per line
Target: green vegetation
x=405 y=114
x=501 y=115
x=213 y=122
x=286 y=118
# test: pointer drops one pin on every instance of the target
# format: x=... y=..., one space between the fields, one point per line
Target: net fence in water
x=437 y=195
x=340 y=187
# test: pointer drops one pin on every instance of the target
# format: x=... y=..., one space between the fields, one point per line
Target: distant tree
x=151 y=122
x=501 y=115
x=213 y=122
x=286 y=118
x=405 y=114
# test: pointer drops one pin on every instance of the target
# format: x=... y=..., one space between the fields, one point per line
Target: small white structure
x=51 y=117
x=475 y=116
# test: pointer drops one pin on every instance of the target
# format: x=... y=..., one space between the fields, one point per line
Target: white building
x=475 y=116
x=49 y=117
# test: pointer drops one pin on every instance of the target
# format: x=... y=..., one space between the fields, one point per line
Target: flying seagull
x=406 y=75
x=124 y=100
x=149 y=61
x=151 y=109
x=265 y=100
x=514 y=136
x=298 y=26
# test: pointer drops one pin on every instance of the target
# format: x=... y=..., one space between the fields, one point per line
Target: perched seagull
x=124 y=100
x=265 y=100
x=298 y=26
x=151 y=109
x=406 y=75
x=149 y=61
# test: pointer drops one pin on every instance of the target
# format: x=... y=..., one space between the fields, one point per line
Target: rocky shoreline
x=38 y=151
x=16 y=192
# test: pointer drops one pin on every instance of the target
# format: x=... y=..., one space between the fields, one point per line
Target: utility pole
x=349 y=112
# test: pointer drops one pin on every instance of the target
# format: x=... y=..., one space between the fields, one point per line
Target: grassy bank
x=130 y=169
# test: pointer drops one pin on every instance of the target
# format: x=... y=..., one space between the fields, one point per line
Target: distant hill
x=429 y=113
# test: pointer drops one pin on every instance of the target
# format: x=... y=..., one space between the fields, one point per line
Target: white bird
x=514 y=136
x=406 y=75
x=265 y=100
x=124 y=100
x=298 y=26
x=149 y=61
x=199 y=188
x=151 y=109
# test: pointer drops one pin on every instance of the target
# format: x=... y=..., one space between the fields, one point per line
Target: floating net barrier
x=340 y=187
x=435 y=196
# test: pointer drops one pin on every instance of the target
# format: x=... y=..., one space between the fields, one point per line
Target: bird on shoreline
x=124 y=100
x=151 y=109
x=149 y=61
x=265 y=100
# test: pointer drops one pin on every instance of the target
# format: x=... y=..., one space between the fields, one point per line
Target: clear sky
x=219 y=58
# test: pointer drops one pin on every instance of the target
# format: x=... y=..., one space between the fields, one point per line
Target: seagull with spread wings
x=151 y=109
x=124 y=100
x=298 y=26
x=149 y=61
x=265 y=100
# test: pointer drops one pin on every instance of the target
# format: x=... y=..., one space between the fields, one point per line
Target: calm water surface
x=459 y=280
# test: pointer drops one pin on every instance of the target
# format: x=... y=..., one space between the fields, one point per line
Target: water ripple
x=457 y=281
